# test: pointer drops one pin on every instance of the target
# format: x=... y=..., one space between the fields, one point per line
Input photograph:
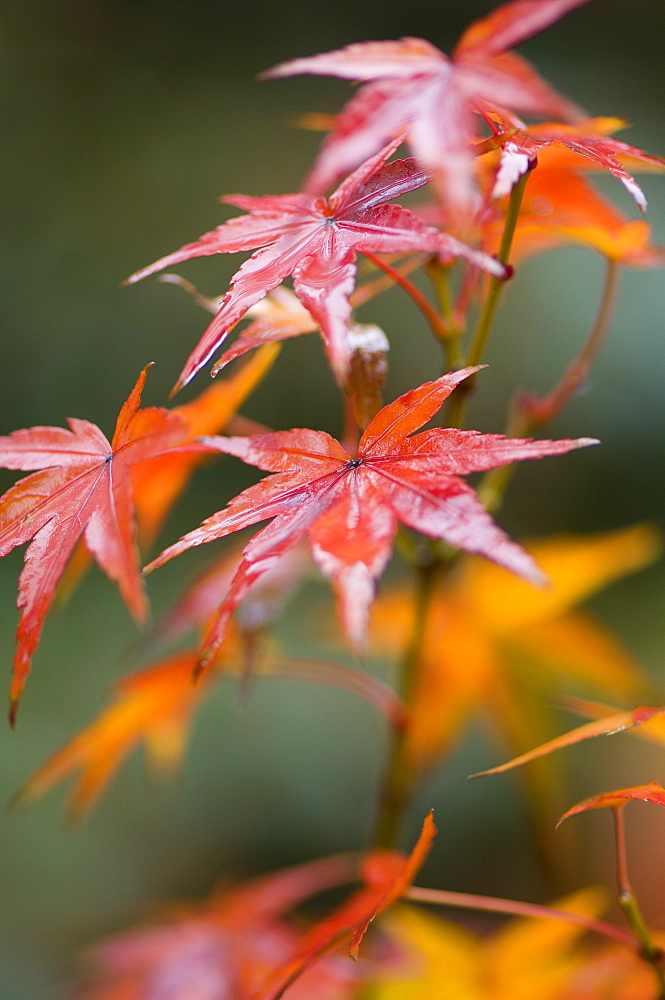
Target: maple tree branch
x=630 y=906
x=488 y=311
x=513 y=907
x=451 y=343
x=399 y=779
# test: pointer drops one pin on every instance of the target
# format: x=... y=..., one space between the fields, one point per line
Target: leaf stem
x=436 y=322
x=488 y=312
x=512 y=907
x=542 y=411
x=631 y=909
x=451 y=343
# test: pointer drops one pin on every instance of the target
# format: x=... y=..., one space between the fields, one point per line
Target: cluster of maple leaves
x=342 y=504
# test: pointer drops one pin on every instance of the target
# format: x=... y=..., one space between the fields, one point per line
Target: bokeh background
x=122 y=123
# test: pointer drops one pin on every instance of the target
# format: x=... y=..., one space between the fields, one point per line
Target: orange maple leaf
x=387 y=875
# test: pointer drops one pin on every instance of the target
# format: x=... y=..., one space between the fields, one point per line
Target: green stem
x=492 y=486
x=399 y=780
x=513 y=907
x=488 y=312
x=631 y=909
x=452 y=342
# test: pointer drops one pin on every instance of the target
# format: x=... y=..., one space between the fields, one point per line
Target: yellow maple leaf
x=528 y=958
x=494 y=642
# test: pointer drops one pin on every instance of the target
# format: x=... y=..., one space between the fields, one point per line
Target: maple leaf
x=559 y=205
x=225 y=948
x=155 y=705
x=522 y=147
x=562 y=207
x=387 y=875
x=316 y=240
x=493 y=642
x=606 y=726
x=350 y=506
x=410 y=86
x=281 y=315
x=618 y=799
x=526 y=958
x=84 y=489
x=653 y=730
x=158 y=482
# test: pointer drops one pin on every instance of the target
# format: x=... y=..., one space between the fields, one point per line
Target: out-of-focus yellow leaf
x=577 y=647
x=575 y=566
x=495 y=643
x=527 y=959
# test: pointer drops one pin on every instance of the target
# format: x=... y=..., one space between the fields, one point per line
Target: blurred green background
x=122 y=124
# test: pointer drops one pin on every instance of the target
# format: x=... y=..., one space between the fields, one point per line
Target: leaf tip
x=205 y=659
x=586 y=442
x=180 y=384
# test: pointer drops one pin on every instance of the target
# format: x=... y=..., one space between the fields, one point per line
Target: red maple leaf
x=520 y=148
x=386 y=876
x=316 y=240
x=84 y=489
x=413 y=87
x=350 y=506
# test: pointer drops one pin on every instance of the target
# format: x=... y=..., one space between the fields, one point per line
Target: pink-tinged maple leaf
x=410 y=86
x=84 y=489
x=350 y=506
x=520 y=148
x=560 y=207
x=316 y=240
x=262 y=606
x=225 y=948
